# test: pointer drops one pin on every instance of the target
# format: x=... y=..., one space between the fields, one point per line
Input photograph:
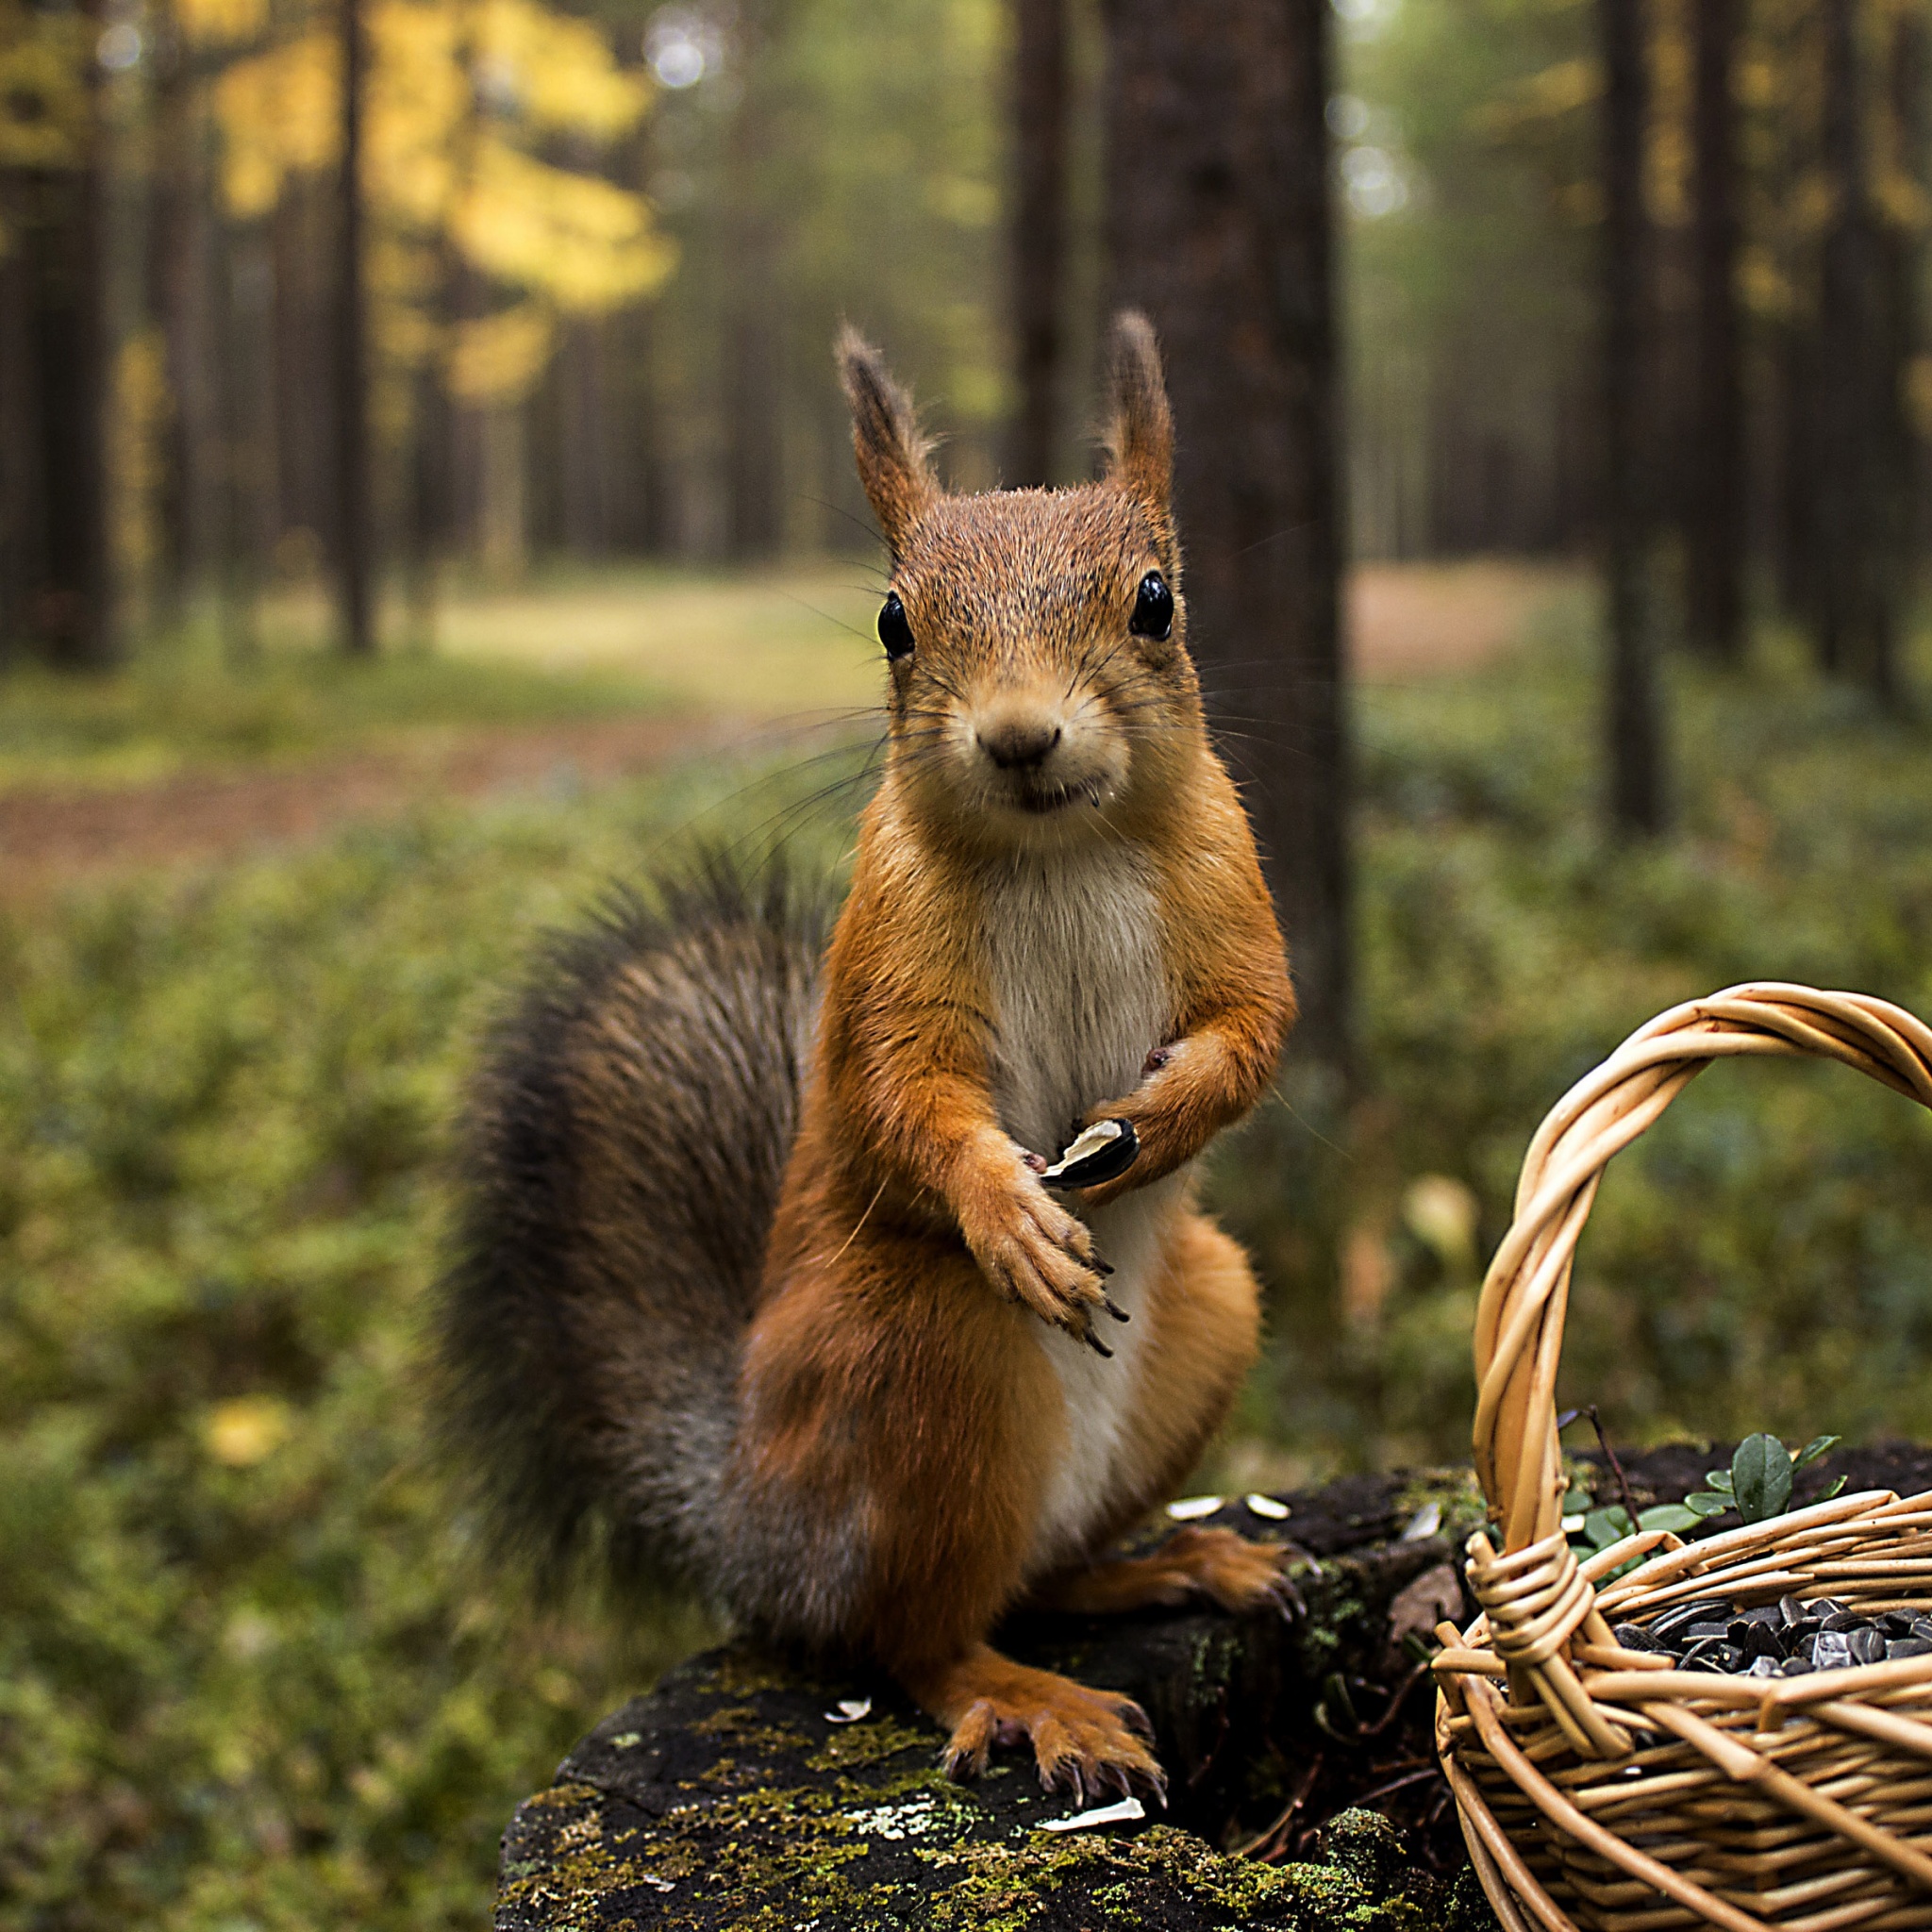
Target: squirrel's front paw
x=1031 y=1249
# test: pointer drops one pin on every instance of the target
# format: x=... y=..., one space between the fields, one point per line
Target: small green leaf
x=1761 y=1478
x=1670 y=1516
x=1606 y=1526
x=1706 y=1503
x=1577 y=1502
x=1819 y=1445
x=1833 y=1490
x=1719 y=1479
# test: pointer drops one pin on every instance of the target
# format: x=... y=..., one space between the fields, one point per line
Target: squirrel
x=764 y=1280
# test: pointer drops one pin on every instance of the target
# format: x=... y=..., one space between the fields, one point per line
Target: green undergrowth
x=247 y=1677
x=187 y=706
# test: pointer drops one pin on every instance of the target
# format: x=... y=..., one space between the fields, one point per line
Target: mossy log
x=736 y=1796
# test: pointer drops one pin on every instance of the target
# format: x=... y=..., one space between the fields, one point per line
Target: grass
x=568 y=646
x=249 y=1673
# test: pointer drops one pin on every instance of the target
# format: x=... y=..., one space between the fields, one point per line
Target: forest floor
x=661 y=666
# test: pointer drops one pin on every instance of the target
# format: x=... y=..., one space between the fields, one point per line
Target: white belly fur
x=1080 y=997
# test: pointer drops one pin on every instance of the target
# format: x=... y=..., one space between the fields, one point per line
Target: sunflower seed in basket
x=1679 y=1617
x=1867 y=1645
x=1831 y=1650
x=1786 y=1639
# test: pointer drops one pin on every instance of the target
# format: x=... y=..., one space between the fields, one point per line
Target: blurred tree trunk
x=1636 y=774
x=1039 y=242
x=1219 y=225
x=179 y=295
x=249 y=304
x=1856 y=624
x=1790 y=59
x=65 y=590
x=1903 y=268
x=352 y=519
x=753 y=446
x=1715 y=553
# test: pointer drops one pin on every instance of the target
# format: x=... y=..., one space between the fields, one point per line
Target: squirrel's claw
x=1113 y=1307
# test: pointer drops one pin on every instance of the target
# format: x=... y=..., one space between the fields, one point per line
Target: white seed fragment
x=1125 y=1812
x=1190 y=1506
x=1090 y=1140
x=1275 y=1511
x=850 y=1711
x=1572 y=1524
x=1426 y=1522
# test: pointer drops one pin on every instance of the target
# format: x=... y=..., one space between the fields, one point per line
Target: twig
x=1396 y=1699
x=1397 y=1784
x=1264 y=1847
x=1610 y=1454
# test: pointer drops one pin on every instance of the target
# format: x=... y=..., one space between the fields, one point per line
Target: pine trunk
x=1635 y=751
x=1715 y=559
x=1038 y=244
x=355 y=617
x=1221 y=230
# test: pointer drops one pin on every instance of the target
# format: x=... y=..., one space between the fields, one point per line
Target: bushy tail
x=627 y=1139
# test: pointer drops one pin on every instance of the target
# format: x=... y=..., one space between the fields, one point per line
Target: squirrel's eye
x=1153 y=607
x=894 y=632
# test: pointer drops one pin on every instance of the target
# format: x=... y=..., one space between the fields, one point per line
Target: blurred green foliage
x=180 y=703
x=248 y=1677
x=1762 y=1258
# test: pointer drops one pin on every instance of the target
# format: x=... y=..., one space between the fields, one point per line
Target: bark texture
x=728 y=1798
x=1219 y=226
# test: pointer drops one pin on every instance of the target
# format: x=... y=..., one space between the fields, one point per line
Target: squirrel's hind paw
x=1084 y=1742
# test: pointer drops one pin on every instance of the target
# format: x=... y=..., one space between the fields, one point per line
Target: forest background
x=1592 y=408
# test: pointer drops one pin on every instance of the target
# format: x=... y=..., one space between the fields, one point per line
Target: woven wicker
x=1603 y=1789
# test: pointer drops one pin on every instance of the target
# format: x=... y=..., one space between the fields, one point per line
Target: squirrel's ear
x=892 y=454
x=1139 y=425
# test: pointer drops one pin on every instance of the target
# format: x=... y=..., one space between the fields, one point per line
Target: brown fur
x=856 y=1405
x=894 y=1356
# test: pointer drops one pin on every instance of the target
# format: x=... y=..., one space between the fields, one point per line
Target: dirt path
x=1406 y=622
x=50 y=837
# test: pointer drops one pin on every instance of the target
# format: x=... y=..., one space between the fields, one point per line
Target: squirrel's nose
x=1013 y=743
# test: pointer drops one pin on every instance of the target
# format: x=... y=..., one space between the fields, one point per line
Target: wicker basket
x=1604 y=1789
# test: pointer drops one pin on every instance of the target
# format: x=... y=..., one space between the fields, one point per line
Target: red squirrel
x=762 y=1279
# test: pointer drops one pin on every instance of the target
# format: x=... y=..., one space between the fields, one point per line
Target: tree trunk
x=67 y=561
x=753 y=447
x=1854 y=621
x=1903 y=267
x=1040 y=221
x=1715 y=552
x=353 y=527
x=180 y=294
x=1636 y=762
x=1218 y=221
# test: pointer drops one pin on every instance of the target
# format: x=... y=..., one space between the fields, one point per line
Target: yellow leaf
x=247 y=1430
x=497 y=359
x=218 y=23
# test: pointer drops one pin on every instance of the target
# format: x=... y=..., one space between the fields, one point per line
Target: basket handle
x=1519 y=1324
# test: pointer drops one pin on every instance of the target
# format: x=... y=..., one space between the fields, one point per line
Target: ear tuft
x=892 y=454
x=1139 y=425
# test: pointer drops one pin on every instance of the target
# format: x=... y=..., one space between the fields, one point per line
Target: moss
x=1455 y=1491
x=872 y=1741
